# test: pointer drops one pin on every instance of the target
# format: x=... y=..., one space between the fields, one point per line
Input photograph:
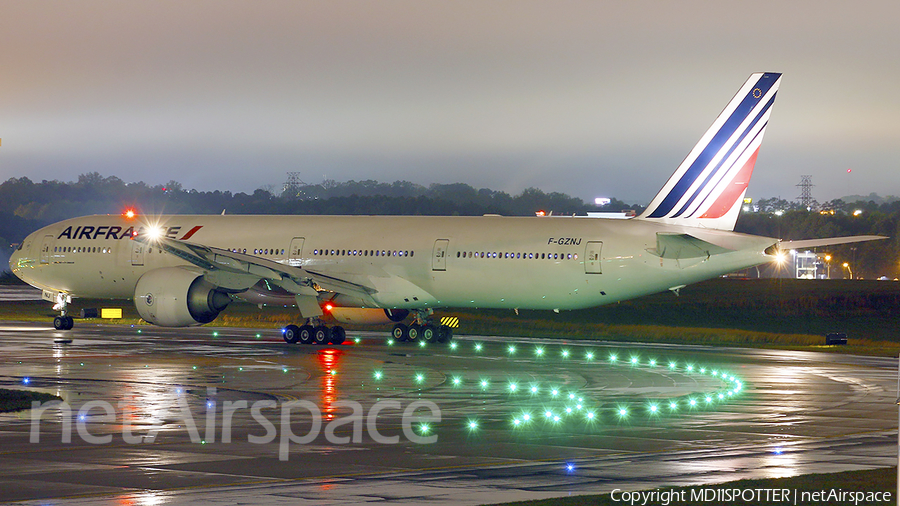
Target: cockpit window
x=21 y=245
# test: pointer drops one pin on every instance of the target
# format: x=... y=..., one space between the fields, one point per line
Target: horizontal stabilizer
x=830 y=241
x=682 y=246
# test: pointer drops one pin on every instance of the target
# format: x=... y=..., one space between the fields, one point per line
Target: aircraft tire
x=59 y=323
x=291 y=334
x=415 y=330
x=400 y=332
x=306 y=334
x=338 y=335
x=321 y=335
x=445 y=334
x=70 y=322
x=429 y=334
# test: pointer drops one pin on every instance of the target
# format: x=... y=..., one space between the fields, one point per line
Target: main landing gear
x=314 y=332
x=63 y=321
x=422 y=329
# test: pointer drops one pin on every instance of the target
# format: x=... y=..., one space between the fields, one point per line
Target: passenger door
x=295 y=255
x=46 y=246
x=439 y=256
x=592 y=257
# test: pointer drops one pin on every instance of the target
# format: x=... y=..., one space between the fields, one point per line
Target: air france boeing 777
x=184 y=270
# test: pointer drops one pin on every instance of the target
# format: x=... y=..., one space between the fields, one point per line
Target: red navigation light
x=129 y=213
x=541 y=213
x=328 y=307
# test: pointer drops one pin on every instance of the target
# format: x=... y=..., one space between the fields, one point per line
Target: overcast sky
x=588 y=98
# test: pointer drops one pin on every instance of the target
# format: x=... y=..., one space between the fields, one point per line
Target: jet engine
x=366 y=316
x=176 y=297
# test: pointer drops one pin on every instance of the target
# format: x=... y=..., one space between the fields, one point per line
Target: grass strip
x=17 y=400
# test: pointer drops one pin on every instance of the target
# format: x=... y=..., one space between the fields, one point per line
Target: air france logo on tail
x=708 y=187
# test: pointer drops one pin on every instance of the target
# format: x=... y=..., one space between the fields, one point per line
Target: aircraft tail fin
x=708 y=188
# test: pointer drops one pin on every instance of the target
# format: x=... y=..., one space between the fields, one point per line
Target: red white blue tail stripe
x=708 y=187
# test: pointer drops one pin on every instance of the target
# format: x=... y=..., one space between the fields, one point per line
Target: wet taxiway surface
x=546 y=419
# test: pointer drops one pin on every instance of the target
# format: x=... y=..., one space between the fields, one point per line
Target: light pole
x=828 y=266
x=847 y=266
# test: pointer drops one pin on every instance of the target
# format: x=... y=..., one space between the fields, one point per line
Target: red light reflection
x=328 y=360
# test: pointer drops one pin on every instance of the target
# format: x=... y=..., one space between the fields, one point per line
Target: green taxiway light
x=613 y=357
x=708 y=399
x=653 y=362
x=548 y=414
x=195 y=368
x=673 y=405
x=357 y=340
x=692 y=402
x=654 y=408
x=534 y=389
x=539 y=351
x=215 y=334
x=721 y=396
x=513 y=387
x=456 y=381
x=240 y=368
x=511 y=349
x=284 y=369
x=702 y=370
x=672 y=365
x=578 y=407
x=634 y=360
x=526 y=417
x=589 y=355
x=590 y=415
x=715 y=373
x=258 y=336
x=484 y=384
x=420 y=378
x=472 y=425
x=556 y=418
x=140 y=331
x=554 y=392
x=516 y=422
x=453 y=346
x=478 y=346
x=565 y=353
x=623 y=412
x=422 y=344
x=424 y=428
x=568 y=410
x=378 y=375
x=571 y=397
x=390 y=342
x=690 y=368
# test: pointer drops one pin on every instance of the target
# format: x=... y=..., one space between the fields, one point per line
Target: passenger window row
x=81 y=249
x=513 y=256
x=363 y=253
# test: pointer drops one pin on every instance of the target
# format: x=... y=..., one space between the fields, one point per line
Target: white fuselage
x=408 y=262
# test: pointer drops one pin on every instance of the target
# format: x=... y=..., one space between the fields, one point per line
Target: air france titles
x=114 y=232
x=565 y=241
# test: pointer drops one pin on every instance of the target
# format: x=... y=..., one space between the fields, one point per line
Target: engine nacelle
x=176 y=297
x=367 y=316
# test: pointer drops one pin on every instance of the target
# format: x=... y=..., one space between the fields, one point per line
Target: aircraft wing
x=239 y=271
x=830 y=241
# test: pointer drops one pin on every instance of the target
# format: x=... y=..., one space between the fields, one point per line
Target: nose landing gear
x=63 y=321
